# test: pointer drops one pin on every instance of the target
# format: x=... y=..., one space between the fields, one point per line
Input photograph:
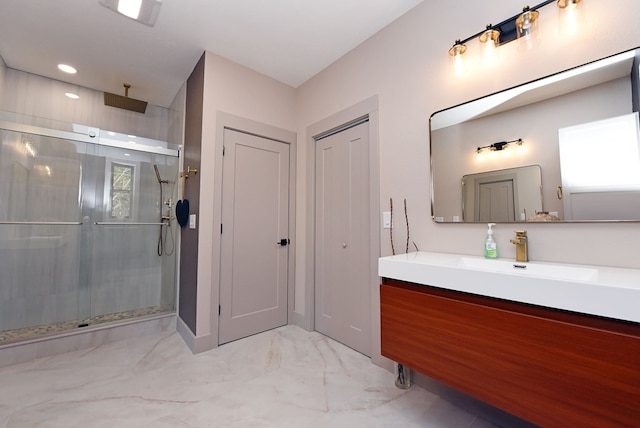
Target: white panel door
x=342 y=282
x=255 y=209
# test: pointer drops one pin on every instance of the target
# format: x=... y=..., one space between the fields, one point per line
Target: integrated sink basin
x=530 y=269
x=594 y=290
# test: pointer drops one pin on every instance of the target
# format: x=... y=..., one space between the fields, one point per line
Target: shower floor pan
x=36 y=332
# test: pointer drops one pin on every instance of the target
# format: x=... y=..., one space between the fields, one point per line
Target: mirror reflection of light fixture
x=521 y=26
x=29 y=147
x=500 y=145
x=143 y=11
x=42 y=169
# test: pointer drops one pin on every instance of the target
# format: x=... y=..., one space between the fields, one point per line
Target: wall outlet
x=386 y=219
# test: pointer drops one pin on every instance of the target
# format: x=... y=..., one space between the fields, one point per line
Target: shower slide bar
x=45 y=223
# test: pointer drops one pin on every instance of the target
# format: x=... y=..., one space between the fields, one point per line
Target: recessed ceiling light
x=67 y=68
x=72 y=95
x=130 y=8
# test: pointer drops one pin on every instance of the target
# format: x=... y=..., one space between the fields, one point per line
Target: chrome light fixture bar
x=509 y=29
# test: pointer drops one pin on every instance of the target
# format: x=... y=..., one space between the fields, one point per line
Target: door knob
x=344 y=245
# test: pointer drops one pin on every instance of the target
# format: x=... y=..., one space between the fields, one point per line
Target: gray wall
x=189 y=244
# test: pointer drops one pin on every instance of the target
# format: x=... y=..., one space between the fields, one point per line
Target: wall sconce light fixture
x=523 y=25
x=500 y=145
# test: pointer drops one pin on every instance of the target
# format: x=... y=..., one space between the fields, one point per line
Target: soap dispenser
x=490 y=246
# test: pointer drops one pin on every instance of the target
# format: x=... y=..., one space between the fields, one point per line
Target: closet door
x=342 y=294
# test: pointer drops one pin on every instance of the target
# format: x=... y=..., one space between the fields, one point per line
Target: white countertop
x=595 y=290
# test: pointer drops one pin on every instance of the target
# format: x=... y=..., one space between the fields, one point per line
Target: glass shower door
x=131 y=241
x=40 y=229
x=87 y=233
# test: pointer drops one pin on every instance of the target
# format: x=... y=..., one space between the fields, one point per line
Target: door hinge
x=219 y=309
x=220 y=228
x=223 y=150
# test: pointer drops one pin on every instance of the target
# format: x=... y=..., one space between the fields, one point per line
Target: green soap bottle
x=490 y=246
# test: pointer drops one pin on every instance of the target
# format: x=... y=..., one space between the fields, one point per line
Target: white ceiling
x=289 y=40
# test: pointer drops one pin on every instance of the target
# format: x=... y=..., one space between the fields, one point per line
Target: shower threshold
x=40 y=331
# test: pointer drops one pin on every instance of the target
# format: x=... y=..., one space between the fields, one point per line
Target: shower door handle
x=116 y=223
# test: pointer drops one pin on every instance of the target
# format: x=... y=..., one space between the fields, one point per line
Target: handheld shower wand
x=160 y=180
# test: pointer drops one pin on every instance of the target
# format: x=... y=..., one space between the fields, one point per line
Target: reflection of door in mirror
x=495 y=201
x=507 y=195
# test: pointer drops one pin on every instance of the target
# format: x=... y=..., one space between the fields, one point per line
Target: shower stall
x=87 y=232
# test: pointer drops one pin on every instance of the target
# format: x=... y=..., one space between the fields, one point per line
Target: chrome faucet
x=521 y=241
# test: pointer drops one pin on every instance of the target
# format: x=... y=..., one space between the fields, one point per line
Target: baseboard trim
x=196 y=344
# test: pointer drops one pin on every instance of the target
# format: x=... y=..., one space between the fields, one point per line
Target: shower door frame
x=92 y=137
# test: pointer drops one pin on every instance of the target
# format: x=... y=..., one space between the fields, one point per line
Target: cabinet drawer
x=548 y=367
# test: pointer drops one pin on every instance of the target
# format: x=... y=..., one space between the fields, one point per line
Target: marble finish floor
x=286 y=377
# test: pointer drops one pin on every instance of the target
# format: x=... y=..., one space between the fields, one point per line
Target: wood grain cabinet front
x=549 y=367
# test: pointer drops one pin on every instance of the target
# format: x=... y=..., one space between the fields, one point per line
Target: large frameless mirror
x=559 y=149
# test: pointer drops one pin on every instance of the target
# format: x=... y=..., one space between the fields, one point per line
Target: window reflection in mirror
x=539 y=112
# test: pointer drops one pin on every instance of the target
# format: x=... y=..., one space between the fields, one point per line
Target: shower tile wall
x=44 y=98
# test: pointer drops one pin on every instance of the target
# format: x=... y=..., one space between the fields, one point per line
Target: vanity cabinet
x=550 y=367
